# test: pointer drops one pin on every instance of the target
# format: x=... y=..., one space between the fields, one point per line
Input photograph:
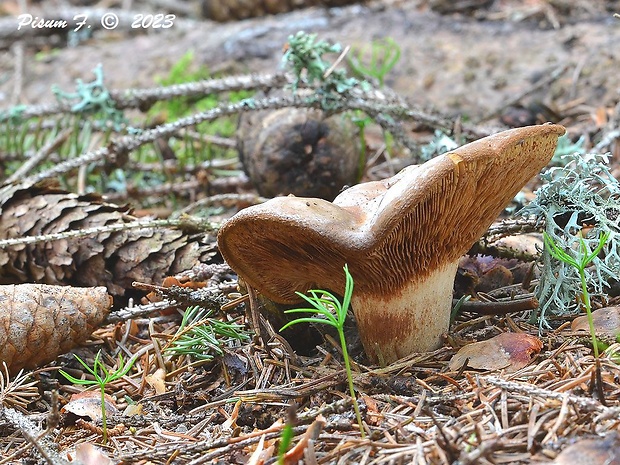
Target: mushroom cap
x=390 y=232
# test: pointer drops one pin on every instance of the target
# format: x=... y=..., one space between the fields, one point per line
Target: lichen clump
x=578 y=200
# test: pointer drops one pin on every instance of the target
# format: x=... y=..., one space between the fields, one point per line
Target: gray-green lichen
x=579 y=199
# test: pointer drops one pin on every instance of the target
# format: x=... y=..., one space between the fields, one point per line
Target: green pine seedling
x=376 y=60
x=286 y=439
x=580 y=261
x=322 y=304
x=102 y=378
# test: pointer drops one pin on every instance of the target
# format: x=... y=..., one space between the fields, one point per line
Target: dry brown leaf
x=373 y=413
x=598 y=451
x=133 y=409
x=87 y=454
x=231 y=421
x=158 y=381
x=509 y=351
x=295 y=454
x=38 y=322
x=88 y=404
x=606 y=322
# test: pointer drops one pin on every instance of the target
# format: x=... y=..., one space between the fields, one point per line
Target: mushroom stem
x=410 y=320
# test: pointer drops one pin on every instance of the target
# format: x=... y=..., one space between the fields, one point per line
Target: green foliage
x=188 y=151
x=330 y=311
x=204 y=338
x=286 y=438
x=580 y=259
x=582 y=192
x=375 y=60
x=183 y=72
x=457 y=307
x=361 y=120
x=305 y=53
x=102 y=377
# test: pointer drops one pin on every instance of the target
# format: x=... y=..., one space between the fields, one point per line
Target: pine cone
x=39 y=322
x=113 y=259
x=299 y=151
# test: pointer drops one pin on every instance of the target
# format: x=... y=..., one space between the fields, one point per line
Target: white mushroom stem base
x=412 y=320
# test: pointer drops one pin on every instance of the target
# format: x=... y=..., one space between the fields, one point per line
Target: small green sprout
x=204 y=338
x=376 y=60
x=580 y=260
x=286 y=439
x=102 y=378
x=324 y=304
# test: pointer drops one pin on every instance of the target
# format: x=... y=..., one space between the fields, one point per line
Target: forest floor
x=487 y=67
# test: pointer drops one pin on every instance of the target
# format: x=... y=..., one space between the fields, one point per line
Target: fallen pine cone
x=38 y=322
x=111 y=259
x=299 y=151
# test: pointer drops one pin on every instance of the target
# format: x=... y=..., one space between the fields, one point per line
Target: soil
x=468 y=65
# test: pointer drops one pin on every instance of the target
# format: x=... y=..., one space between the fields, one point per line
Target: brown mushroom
x=401 y=238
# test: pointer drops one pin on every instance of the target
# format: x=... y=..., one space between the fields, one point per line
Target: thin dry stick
x=144 y=98
x=246 y=199
x=499 y=307
x=138 y=311
x=552 y=433
x=584 y=403
x=139 y=98
x=32 y=434
x=513 y=226
x=331 y=69
x=183 y=222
